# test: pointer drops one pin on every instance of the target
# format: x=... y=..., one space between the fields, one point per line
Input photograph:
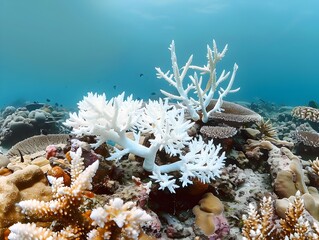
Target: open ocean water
x=60 y=50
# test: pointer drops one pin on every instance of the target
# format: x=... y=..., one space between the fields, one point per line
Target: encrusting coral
x=114 y=221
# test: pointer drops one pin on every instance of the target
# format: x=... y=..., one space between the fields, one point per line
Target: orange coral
x=297 y=223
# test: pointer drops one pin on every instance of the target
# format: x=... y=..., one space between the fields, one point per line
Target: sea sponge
x=208 y=216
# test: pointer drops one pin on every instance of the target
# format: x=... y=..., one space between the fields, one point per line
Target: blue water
x=60 y=50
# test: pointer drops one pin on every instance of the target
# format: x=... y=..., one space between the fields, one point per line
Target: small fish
x=44 y=132
x=48 y=100
x=141 y=74
x=114 y=87
x=56 y=104
x=153 y=93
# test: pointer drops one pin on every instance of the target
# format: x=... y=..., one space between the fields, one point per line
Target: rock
x=29 y=183
x=8 y=111
x=4 y=161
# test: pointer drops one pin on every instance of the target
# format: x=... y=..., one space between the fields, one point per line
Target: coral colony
x=65 y=207
x=110 y=120
x=168 y=129
x=199 y=107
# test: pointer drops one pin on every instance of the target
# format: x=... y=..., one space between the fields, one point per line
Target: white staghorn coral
x=165 y=122
x=204 y=94
x=118 y=215
x=108 y=120
x=202 y=161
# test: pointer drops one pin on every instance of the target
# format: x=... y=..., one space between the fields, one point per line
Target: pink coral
x=51 y=151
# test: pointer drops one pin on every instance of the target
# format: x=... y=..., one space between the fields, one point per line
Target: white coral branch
x=204 y=95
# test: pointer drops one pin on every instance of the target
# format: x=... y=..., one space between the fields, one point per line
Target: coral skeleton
x=64 y=207
x=198 y=107
x=166 y=123
x=117 y=220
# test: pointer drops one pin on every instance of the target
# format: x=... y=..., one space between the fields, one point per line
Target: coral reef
x=306 y=113
x=110 y=120
x=17 y=124
x=190 y=166
x=66 y=209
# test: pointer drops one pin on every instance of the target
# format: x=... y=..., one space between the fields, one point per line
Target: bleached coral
x=198 y=107
x=106 y=119
x=118 y=220
x=164 y=121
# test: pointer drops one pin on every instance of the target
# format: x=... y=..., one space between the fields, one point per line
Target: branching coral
x=198 y=107
x=297 y=223
x=117 y=220
x=260 y=226
x=110 y=121
x=315 y=165
x=64 y=207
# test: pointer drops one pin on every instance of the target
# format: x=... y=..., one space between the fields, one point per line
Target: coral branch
x=204 y=95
